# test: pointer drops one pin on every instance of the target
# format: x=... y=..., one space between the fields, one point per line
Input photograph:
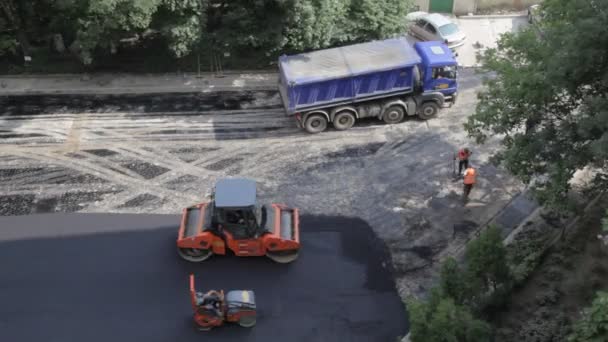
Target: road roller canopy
x=235 y=193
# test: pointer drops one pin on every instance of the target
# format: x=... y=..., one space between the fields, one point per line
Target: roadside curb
x=128 y=74
x=130 y=91
x=89 y=87
x=491 y=16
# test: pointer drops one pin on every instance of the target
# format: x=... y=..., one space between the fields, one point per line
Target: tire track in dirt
x=86 y=166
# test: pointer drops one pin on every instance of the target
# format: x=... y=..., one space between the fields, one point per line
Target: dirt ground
x=564 y=283
x=155 y=154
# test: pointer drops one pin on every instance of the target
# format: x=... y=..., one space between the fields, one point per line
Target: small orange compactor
x=213 y=308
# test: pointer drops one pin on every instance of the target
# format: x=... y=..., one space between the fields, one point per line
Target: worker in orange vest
x=469 y=180
x=463 y=159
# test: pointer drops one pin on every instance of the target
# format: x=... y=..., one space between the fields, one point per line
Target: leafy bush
x=441 y=319
x=448 y=314
x=593 y=325
x=486 y=259
x=524 y=254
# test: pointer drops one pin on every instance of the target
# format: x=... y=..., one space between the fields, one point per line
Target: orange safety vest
x=462 y=155
x=469 y=176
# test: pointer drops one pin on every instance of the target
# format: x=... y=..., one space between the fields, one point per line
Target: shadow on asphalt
x=107 y=277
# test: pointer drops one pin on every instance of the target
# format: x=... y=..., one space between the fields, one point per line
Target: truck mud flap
x=298 y=118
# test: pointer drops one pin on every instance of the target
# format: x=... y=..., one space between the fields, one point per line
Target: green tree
x=445 y=321
x=8 y=43
x=11 y=14
x=372 y=19
x=486 y=259
x=548 y=100
x=315 y=24
x=182 y=24
x=593 y=325
x=454 y=283
x=105 y=22
x=250 y=24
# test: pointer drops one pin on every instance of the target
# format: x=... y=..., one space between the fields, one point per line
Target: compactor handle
x=192 y=292
x=192 y=283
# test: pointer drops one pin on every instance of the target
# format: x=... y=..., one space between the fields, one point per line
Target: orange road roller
x=233 y=219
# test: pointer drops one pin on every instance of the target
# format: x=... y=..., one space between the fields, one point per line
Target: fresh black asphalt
x=110 y=278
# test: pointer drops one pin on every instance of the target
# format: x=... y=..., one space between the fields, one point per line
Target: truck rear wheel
x=428 y=110
x=344 y=120
x=393 y=114
x=315 y=123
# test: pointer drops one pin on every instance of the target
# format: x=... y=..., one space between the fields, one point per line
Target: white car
x=435 y=27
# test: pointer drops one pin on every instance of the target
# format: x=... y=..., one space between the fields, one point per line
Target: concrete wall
x=423 y=4
x=518 y=5
x=462 y=7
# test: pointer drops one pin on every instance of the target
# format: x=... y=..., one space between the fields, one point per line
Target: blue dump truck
x=386 y=79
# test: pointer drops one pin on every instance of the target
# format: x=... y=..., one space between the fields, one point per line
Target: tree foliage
x=462 y=292
x=549 y=98
x=372 y=19
x=8 y=43
x=182 y=23
x=95 y=27
x=316 y=24
x=593 y=325
x=455 y=283
x=106 y=21
x=241 y=24
x=443 y=320
x=487 y=259
x=321 y=23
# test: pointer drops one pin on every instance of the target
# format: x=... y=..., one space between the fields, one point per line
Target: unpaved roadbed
x=158 y=154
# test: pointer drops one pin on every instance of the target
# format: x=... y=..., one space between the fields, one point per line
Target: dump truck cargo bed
x=347 y=74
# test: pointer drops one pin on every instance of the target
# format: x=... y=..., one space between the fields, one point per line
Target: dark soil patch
x=141 y=200
x=223 y=164
x=356 y=151
x=102 y=152
x=564 y=283
x=162 y=103
x=145 y=169
x=9 y=173
x=16 y=204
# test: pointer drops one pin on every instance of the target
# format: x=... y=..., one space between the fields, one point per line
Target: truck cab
x=438 y=71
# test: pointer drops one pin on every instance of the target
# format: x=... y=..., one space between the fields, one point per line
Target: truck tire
x=315 y=123
x=428 y=110
x=393 y=114
x=344 y=120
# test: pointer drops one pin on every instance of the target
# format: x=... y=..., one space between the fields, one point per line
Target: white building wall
x=422 y=4
x=462 y=7
x=517 y=5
